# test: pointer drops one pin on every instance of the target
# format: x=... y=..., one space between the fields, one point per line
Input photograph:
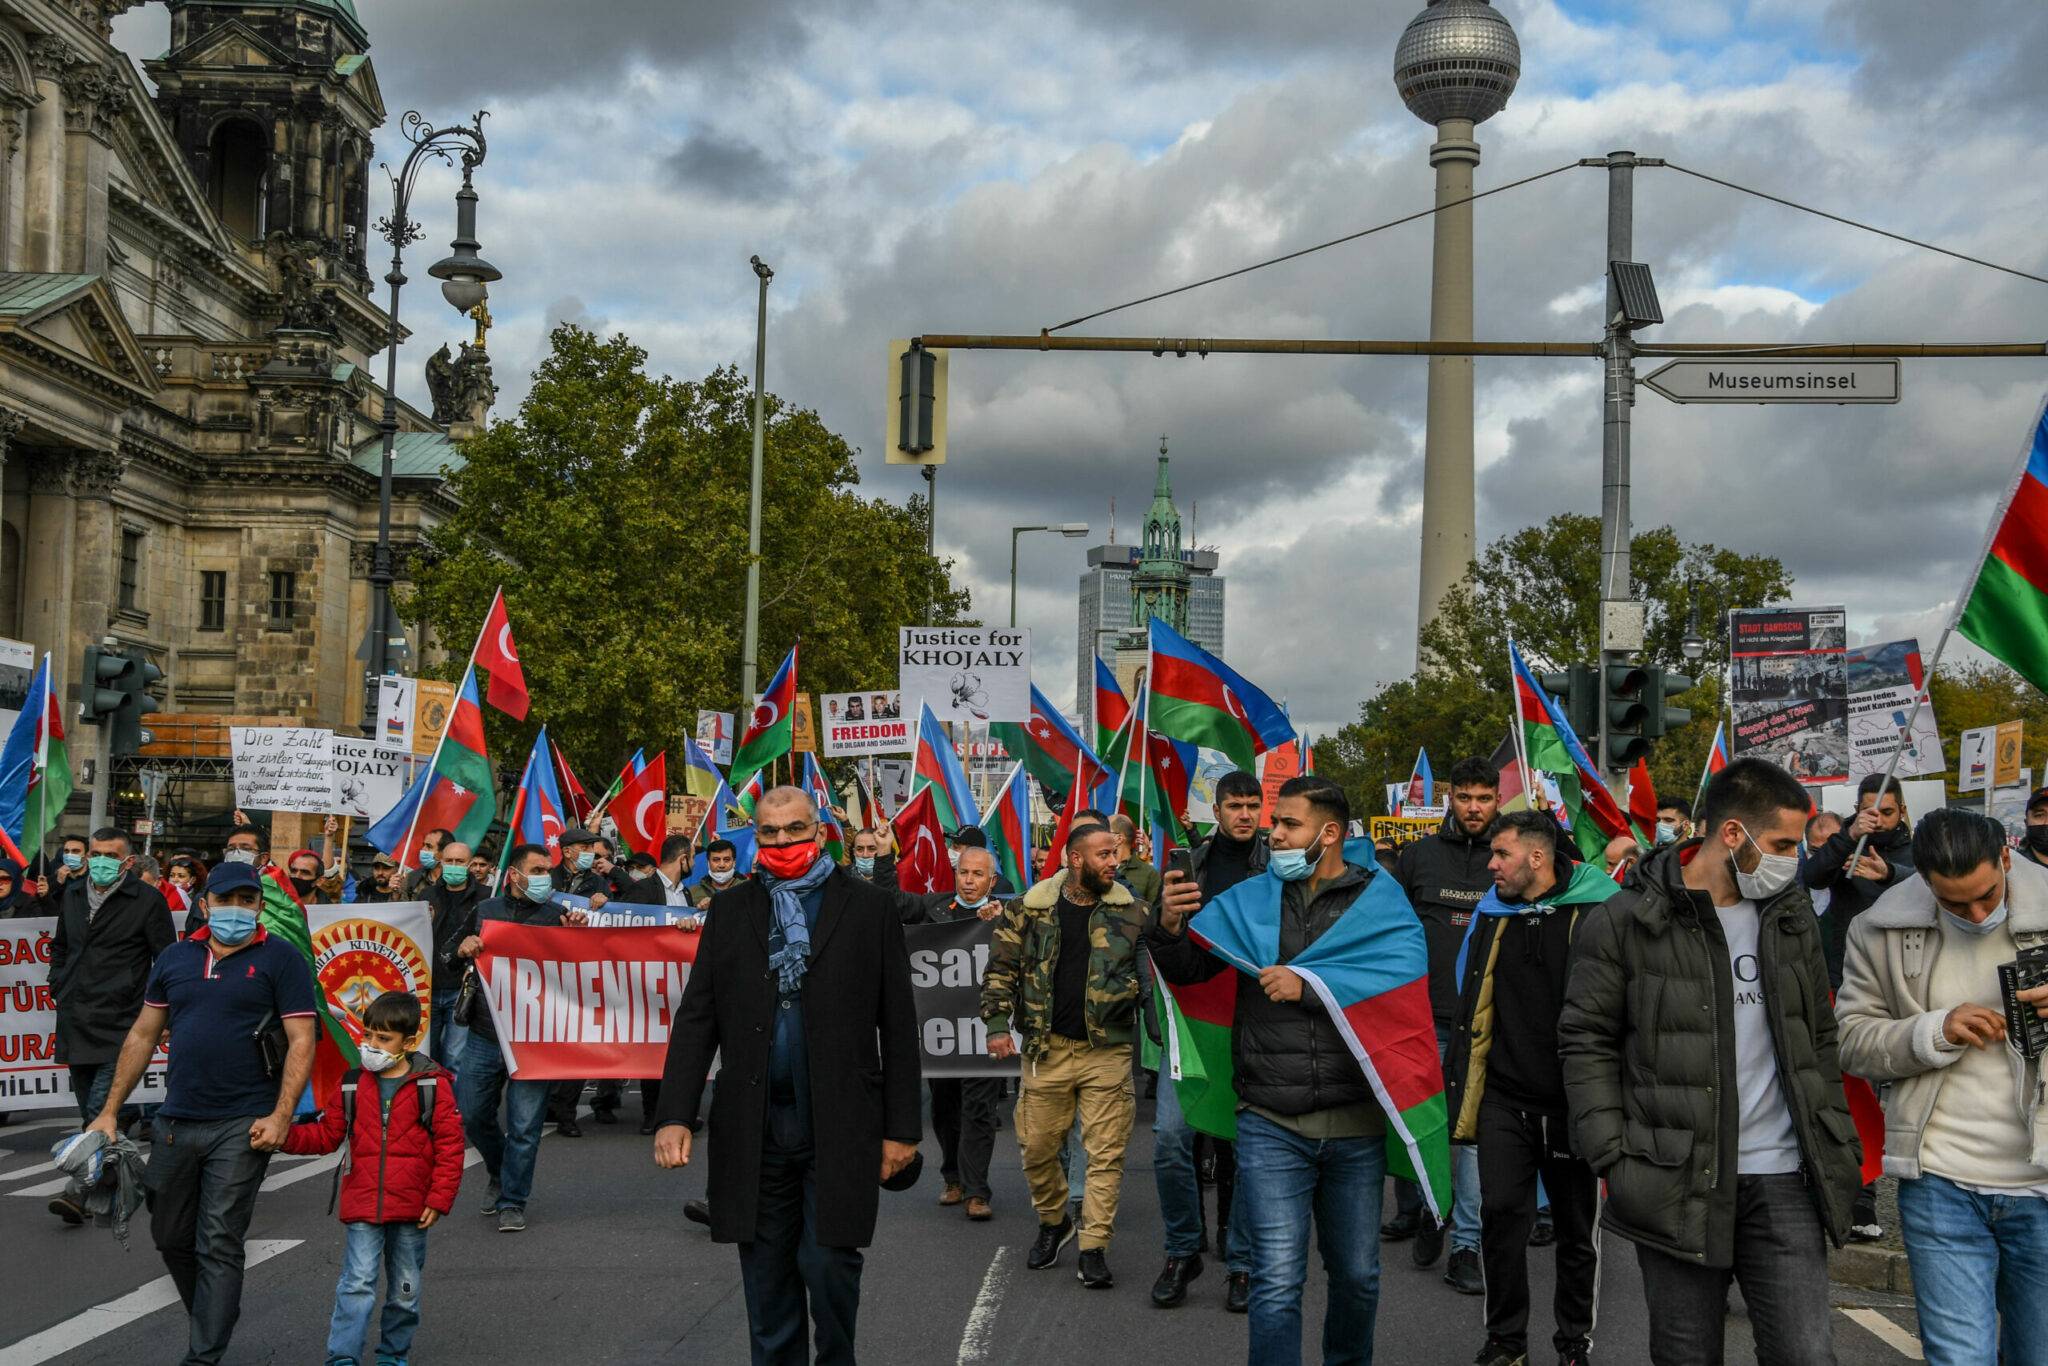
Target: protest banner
x=2005 y=754
x=892 y=782
x=1788 y=688
x=579 y=1001
x=283 y=768
x=434 y=699
x=361 y=952
x=865 y=723
x=31 y=1078
x=616 y=913
x=369 y=777
x=686 y=813
x=17 y=671
x=947 y=963
x=714 y=735
x=1276 y=766
x=397 y=699
x=1974 y=758
x=966 y=673
x=1403 y=830
x=1882 y=680
x=803 y=726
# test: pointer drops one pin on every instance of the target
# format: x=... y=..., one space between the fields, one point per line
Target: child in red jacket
x=401 y=1173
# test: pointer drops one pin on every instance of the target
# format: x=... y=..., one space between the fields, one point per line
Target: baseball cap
x=2038 y=800
x=969 y=837
x=232 y=877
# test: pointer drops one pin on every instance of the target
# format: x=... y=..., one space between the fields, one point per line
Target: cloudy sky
x=932 y=166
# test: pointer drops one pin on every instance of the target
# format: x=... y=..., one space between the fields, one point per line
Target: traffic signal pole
x=1621 y=619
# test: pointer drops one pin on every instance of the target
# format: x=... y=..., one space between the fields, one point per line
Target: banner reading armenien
x=576 y=1001
x=1789 y=690
x=869 y=722
x=947 y=962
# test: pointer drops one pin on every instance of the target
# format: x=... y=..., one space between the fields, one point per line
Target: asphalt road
x=608 y=1271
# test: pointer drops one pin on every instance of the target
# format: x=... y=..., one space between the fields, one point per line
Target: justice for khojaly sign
x=966 y=673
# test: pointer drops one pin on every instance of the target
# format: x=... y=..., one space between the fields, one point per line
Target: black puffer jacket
x=1850 y=897
x=1647 y=1038
x=1445 y=876
x=1288 y=1056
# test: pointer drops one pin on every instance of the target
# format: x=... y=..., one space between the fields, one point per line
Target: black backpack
x=349 y=1081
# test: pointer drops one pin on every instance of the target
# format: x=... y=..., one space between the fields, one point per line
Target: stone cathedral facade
x=187 y=418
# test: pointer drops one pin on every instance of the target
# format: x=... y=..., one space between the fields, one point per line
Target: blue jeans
x=1180 y=1189
x=1977 y=1260
x=447 y=1040
x=509 y=1152
x=90 y=1083
x=1464 y=1180
x=1281 y=1179
x=401 y=1250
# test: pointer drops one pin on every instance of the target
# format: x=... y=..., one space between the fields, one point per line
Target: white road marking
x=30 y=1170
x=43 y=1187
x=1878 y=1326
x=102 y=1319
x=981 y=1320
x=34 y=1125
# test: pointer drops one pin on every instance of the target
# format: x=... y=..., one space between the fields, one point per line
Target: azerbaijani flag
x=284 y=916
x=1421 y=782
x=1111 y=706
x=1717 y=759
x=750 y=792
x=1552 y=747
x=1197 y=698
x=537 y=806
x=769 y=735
x=35 y=765
x=1007 y=823
x=821 y=793
x=936 y=766
x=456 y=792
x=1050 y=748
x=1370 y=971
x=2005 y=613
x=1113 y=762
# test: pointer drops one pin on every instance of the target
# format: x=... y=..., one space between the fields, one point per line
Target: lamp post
x=464 y=276
x=751 y=638
x=1070 y=530
x=1693 y=645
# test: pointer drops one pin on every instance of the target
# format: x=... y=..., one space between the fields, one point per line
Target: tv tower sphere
x=1458 y=59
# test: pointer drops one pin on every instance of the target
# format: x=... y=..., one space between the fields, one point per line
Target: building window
x=213 y=600
x=284 y=591
x=238 y=178
x=131 y=568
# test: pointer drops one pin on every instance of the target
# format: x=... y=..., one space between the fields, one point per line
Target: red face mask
x=787 y=860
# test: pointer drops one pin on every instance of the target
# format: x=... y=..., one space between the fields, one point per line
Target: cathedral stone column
x=43 y=182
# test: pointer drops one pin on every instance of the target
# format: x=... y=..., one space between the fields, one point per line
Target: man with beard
x=1445 y=876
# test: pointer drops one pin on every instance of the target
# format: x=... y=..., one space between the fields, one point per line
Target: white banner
x=31 y=1078
x=966 y=673
x=361 y=952
x=284 y=768
x=397 y=699
x=369 y=778
x=866 y=723
x=714 y=735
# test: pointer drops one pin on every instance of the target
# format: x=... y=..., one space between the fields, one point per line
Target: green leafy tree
x=1541 y=586
x=613 y=509
x=1966 y=696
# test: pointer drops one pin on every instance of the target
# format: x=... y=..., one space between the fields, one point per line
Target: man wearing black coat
x=452 y=899
x=802 y=986
x=111 y=925
x=1887 y=834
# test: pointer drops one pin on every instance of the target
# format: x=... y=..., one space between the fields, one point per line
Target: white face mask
x=721 y=876
x=238 y=856
x=375 y=1059
x=1773 y=872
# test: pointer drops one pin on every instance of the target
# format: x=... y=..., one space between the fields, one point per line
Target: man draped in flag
x=936 y=766
x=770 y=732
x=1304 y=993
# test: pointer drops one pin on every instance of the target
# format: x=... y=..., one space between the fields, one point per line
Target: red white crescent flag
x=496 y=652
x=641 y=808
x=921 y=863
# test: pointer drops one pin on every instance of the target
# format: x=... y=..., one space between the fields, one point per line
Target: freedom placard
x=865 y=723
x=283 y=768
x=966 y=673
x=947 y=963
x=577 y=1001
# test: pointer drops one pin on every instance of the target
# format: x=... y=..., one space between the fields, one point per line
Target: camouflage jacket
x=1017 y=988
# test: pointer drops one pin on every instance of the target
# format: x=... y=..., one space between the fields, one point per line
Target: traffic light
x=1576 y=690
x=113 y=692
x=914 y=432
x=1664 y=717
x=1626 y=710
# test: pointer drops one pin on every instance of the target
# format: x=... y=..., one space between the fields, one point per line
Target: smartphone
x=1181 y=861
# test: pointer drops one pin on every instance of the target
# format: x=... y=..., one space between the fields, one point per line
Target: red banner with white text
x=573 y=1002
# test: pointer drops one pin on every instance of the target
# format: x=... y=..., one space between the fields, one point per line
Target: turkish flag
x=1642 y=798
x=641 y=808
x=496 y=652
x=1086 y=776
x=921 y=864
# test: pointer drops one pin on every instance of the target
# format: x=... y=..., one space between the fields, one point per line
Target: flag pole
x=42 y=767
x=1521 y=740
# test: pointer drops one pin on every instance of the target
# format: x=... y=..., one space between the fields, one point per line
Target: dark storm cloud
x=725 y=166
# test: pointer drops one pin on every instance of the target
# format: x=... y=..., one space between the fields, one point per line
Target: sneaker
x=978 y=1209
x=952 y=1194
x=491 y=1198
x=698 y=1212
x=1545 y=1232
x=1237 y=1293
x=1051 y=1238
x=1578 y=1354
x=1858 y=1233
x=340 y=1361
x=1401 y=1228
x=67 y=1209
x=1093 y=1269
x=1429 y=1244
x=1172 y=1286
x=1464 y=1274
x=1498 y=1353
x=511 y=1219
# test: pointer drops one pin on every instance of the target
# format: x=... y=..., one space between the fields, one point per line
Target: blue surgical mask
x=103 y=869
x=1984 y=926
x=1667 y=833
x=455 y=874
x=539 y=887
x=584 y=860
x=231 y=925
x=73 y=861
x=428 y=858
x=864 y=866
x=1293 y=865
x=967 y=905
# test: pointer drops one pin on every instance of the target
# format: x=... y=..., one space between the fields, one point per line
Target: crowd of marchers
x=1656 y=1048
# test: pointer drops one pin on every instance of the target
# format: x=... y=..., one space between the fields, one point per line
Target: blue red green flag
x=936 y=766
x=1007 y=823
x=1197 y=698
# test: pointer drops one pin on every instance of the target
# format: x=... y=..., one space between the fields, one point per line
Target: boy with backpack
x=404 y=1165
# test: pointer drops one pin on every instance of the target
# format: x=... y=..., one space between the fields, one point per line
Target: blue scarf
x=794 y=957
